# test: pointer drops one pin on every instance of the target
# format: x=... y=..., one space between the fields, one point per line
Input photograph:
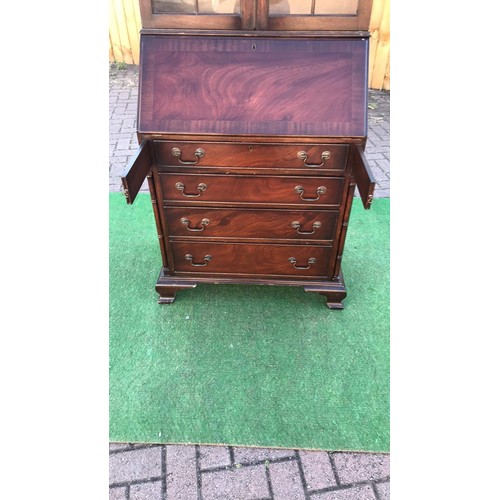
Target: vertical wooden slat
x=122 y=30
x=387 y=76
x=132 y=29
x=114 y=34
x=382 y=48
x=138 y=24
x=111 y=55
x=375 y=19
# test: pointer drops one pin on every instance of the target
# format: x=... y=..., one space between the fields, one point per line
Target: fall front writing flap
x=253 y=85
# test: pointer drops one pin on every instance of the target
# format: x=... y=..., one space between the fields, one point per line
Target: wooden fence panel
x=114 y=35
x=124 y=31
x=125 y=24
x=379 y=57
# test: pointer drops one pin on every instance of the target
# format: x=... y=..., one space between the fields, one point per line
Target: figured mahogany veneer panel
x=233 y=189
x=248 y=259
x=252 y=85
x=240 y=223
x=254 y=155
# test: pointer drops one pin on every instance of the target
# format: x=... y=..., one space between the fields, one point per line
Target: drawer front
x=332 y=157
x=241 y=223
x=233 y=189
x=250 y=259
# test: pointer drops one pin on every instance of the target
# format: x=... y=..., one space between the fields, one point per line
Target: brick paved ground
x=159 y=472
x=218 y=472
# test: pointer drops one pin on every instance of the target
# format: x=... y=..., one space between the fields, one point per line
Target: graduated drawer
x=250 y=259
x=331 y=157
x=232 y=189
x=246 y=223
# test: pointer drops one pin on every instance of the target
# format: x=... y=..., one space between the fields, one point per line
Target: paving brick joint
x=161 y=472
x=194 y=472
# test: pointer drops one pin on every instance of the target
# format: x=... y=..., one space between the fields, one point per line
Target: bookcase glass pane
x=196 y=7
x=336 y=7
x=311 y=7
x=280 y=7
x=173 y=6
x=219 y=6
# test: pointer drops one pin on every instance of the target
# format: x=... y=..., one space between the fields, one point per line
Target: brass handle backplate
x=300 y=190
x=296 y=225
x=325 y=155
x=189 y=258
x=201 y=187
x=199 y=153
x=293 y=260
x=204 y=222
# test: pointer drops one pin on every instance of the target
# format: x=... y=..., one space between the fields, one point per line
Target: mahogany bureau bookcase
x=252 y=121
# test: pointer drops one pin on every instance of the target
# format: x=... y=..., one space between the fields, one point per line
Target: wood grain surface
x=264 y=190
x=235 y=85
x=246 y=223
x=254 y=155
x=250 y=259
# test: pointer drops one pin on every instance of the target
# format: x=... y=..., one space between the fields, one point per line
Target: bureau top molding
x=253 y=86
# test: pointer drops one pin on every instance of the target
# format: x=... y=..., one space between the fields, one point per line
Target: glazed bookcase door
x=198 y=14
x=306 y=15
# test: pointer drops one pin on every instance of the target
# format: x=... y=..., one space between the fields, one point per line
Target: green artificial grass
x=249 y=365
